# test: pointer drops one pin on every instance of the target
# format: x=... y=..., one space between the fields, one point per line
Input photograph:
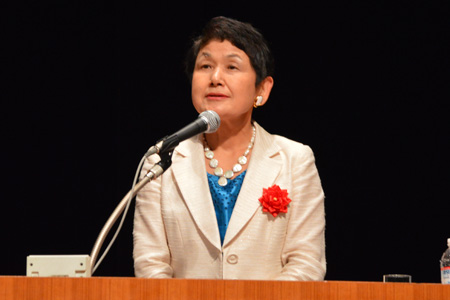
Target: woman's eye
x=232 y=67
x=205 y=66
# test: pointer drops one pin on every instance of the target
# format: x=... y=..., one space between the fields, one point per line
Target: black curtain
x=91 y=85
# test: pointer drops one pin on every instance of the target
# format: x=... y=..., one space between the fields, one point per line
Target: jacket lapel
x=188 y=167
x=262 y=172
x=263 y=169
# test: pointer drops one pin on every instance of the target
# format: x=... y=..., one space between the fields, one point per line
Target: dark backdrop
x=91 y=85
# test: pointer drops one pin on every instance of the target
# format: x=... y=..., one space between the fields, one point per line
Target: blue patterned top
x=224 y=199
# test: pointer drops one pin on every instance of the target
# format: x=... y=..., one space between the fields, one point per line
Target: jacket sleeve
x=151 y=253
x=303 y=253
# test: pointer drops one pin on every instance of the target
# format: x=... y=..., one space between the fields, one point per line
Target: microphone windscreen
x=212 y=119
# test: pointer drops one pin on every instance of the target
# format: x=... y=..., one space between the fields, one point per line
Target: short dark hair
x=243 y=36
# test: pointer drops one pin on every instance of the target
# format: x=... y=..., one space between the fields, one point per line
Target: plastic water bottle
x=445 y=265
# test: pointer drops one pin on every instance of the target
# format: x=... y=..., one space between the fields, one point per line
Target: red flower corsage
x=274 y=200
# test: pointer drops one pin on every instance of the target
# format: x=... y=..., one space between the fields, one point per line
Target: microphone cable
x=124 y=213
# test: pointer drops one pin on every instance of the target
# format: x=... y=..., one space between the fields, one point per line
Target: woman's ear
x=264 y=89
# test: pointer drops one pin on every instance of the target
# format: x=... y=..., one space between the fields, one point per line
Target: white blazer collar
x=263 y=169
x=188 y=167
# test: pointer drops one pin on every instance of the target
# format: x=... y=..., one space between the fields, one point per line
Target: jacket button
x=232 y=259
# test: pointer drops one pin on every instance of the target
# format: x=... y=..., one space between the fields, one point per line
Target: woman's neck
x=231 y=135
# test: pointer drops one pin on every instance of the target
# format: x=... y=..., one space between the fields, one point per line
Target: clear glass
x=397 y=278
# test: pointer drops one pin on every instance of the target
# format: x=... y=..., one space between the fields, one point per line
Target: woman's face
x=224 y=81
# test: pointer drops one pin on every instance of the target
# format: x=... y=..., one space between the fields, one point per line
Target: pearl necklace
x=214 y=163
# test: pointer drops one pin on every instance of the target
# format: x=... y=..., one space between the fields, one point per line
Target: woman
x=239 y=203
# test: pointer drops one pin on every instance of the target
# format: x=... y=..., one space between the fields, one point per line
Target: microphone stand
x=157 y=170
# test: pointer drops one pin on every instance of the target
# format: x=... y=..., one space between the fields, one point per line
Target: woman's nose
x=216 y=77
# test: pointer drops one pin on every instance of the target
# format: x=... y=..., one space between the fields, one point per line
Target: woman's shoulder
x=287 y=145
x=294 y=149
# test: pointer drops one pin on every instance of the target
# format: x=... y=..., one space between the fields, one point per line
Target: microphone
x=208 y=121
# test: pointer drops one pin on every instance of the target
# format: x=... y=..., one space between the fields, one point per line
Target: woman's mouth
x=216 y=96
